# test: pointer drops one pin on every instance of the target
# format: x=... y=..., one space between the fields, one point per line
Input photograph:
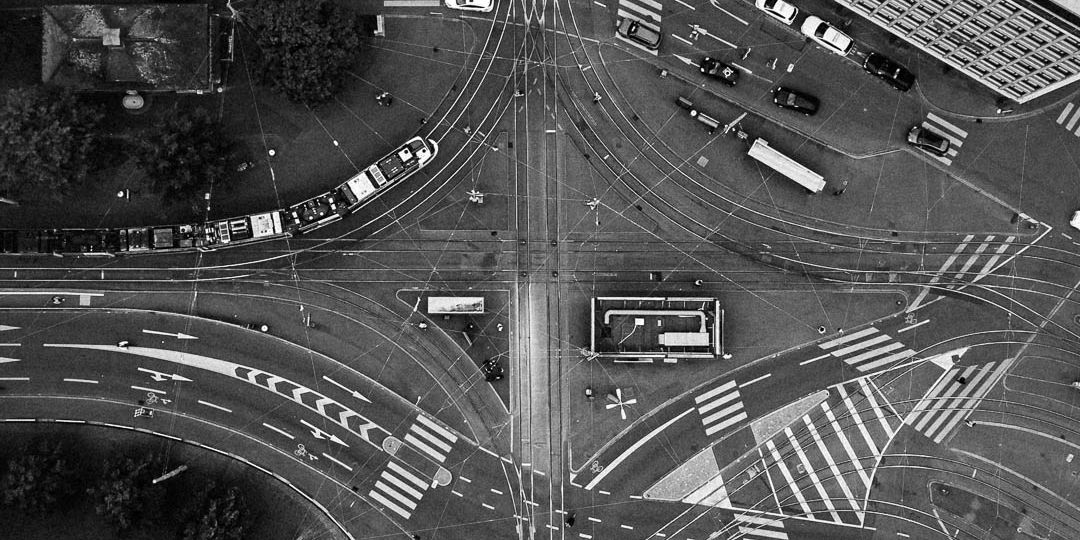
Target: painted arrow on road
x=5 y=328
x=6 y=360
x=177 y=335
x=159 y=376
x=354 y=393
x=320 y=434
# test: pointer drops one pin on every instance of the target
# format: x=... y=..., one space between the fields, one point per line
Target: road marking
x=495 y=491
x=730 y=14
x=627 y=527
x=692 y=8
x=14 y=378
x=641 y=442
x=87 y=381
x=682 y=39
x=488 y=506
x=354 y=393
x=20 y=344
x=218 y=407
x=916 y=325
x=850 y=337
x=595 y=520
x=804 y=362
x=279 y=430
x=331 y=458
x=601 y=4
x=946 y=124
x=144 y=389
x=1064 y=113
x=456 y=493
x=761 y=378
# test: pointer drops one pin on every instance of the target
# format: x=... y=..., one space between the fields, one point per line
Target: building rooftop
x=145 y=47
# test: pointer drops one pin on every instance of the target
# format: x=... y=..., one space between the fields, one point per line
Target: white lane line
x=488 y=506
x=87 y=381
x=144 y=389
x=912 y=327
x=595 y=520
x=641 y=442
x=495 y=491
x=804 y=362
x=215 y=406
x=688 y=6
x=601 y=4
x=331 y=458
x=279 y=430
x=465 y=479
x=14 y=378
x=682 y=39
x=20 y=344
x=456 y=493
x=761 y=378
x=627 y=527
x=716 y=5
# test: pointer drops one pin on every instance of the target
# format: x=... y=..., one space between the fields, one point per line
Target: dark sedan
x=787 y=98
x=719 y=71
x=925 y=139
x=896 y=75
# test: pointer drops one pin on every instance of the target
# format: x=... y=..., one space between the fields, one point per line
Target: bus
x=786 y=166
x=455 y=305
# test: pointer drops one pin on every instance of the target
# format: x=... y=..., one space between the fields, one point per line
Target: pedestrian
x=596 y=97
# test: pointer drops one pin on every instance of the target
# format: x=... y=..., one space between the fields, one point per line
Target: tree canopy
x=220 y=515
x=184 y=156
x=48 y=139
x=305 y=46
x=124 y=493
x=37 y=479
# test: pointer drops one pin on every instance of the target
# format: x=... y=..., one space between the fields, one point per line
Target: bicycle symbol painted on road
x=301 y=451
x=910 y=318
x=152 y=398
x=596 y=468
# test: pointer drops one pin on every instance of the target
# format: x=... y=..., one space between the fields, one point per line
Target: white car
x=827 y=36
x=482 y=6
x=1075 y=221
x=778 y=9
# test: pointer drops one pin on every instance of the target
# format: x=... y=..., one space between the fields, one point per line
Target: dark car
x=634 y=30
x=925 y=139
x=896 y=75
x=787 y=98
x=719 y=71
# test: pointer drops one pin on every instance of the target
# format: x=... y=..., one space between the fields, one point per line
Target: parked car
x=482 y=6
x=719 y=71
x=778 y=9
x=925 y=139
x=636 y=31
x=827 y=35
x=896 y=75
x=787 y=98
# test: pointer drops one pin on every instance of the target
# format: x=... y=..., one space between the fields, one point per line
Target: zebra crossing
x=1072 y=120
x=954 y=134
x=400 y=490
x=752 y=527
x=720 y=408
x=867 y=349
x=820 y=467
x=954 y=396
x=961 y=264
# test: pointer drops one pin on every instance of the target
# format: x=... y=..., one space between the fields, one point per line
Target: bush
x=304 y=45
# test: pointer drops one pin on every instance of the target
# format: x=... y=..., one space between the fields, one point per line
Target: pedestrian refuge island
x=761 y=151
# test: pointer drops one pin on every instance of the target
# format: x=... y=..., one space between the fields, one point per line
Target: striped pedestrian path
x=972 y=260
x=867 y=349
x=398 y=490
x=950 y=131
x=430 y=439
x=955 y=395
x=1071 y=113
x=720 y=408
x=753 y=527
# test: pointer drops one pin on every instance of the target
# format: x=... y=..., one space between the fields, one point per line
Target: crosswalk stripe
x=406 y=474
x=986 y=269
x=859 y=422
x=869 y=393
x=794 y=442
x=861 y=345
x=850 y=337
x=726 y=423
x=430 y=437
x=386 y=502
x=637 y=12
x=885 y=361
x=408 y=488
x=423 y=447
x=405 y=501
x=923 y=411
x=720 y=389
x=758 y=533
x=831 y=462
x=846 y=444
x=971 y=260
x=758 y=520
x=1064 y=113
x=949 y=405
x=430 y=424
x=973 y=401
x=779 y=462
x=941 y=121
x=876 y=352
x=1072 y=121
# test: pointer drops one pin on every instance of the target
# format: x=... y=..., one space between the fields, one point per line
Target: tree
x=221 y=515
x=305 y=46
x=49 y=141
x=184 y=155
x=38 y=478
x=125 y=492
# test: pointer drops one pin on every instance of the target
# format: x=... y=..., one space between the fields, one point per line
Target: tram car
x=299 y=218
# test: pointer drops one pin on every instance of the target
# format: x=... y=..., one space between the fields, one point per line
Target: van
x=636 y=31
